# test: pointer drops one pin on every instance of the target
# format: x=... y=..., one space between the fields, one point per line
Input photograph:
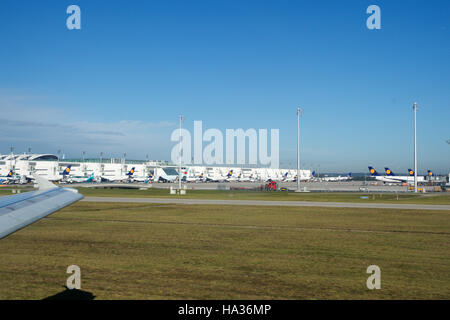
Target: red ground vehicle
x=272 y=186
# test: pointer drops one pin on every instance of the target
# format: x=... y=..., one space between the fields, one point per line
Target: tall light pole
x=299 y=112
x=415 y=147
x=12 y=155
x=179 y=164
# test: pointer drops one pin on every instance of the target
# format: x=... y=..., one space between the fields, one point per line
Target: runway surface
x=271 y=203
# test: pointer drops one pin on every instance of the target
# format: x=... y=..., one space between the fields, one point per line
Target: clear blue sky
x=118 y=84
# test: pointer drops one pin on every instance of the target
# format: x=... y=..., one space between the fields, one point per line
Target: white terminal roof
x=30 y=157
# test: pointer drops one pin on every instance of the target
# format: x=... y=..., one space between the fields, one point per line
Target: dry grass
x=150 y=251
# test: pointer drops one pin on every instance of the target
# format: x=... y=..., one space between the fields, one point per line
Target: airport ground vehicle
x=271 y=186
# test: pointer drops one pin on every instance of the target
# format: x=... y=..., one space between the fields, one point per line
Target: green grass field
x=155 y=251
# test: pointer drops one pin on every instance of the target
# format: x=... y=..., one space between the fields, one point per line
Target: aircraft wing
x=19 y=211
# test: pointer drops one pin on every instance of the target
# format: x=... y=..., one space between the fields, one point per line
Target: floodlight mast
x=415 y=107
x=299 y=111
x=179 y=165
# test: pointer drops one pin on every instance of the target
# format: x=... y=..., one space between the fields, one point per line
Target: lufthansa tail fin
x=131 y=172
x=67 y=170
x=373 y=172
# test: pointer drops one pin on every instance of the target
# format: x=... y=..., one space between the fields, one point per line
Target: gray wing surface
x=18 y=211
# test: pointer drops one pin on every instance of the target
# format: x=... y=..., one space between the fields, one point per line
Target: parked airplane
x=145 y=179
x=249 y=178
x=127 y=177
x=230 y=177
x=191 y=176
x=66 y=171
x=9 y=178
x=306 y=179
x=288 y=178
x=80 y=179
x=151 y=177
x=59 y=177
x=390 y=177
x=293 y=178
x=409 y=178
x=219 y=177
x=337 y=179
x=9 y=175
x=194 y=179
x=383 y=179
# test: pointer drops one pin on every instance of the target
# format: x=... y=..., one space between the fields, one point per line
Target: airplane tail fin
x=10 y=173
x=388 y=172
x=410 y=172
x=373 y=172
x=131 y=172
x=67 y=170
x=430 y=173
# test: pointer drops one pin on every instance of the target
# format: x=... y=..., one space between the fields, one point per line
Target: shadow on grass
x=71 y=294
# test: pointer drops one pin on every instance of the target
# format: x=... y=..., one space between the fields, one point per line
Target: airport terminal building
x=51 y=167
